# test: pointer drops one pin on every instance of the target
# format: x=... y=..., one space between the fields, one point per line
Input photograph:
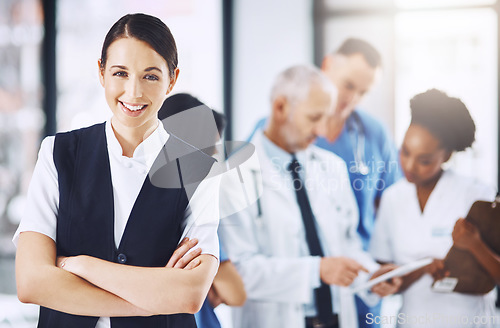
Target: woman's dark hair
x=183 y=101
x=446 y=118
x=145 y=28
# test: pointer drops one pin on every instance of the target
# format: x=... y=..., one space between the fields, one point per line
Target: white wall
x=269 y=36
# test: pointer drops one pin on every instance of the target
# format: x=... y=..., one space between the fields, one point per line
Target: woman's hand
x=388 y=287
x=437 y=269
x=465 y=235
x=61 y=261
x=181 y=259
x=69 y=263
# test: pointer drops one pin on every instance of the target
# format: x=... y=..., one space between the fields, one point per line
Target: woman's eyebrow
x=153 y=68
x=119 y=66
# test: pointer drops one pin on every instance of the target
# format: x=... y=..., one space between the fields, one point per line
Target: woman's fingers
x=61 y=261
x=193 y=264
x=187 y=258
x=185 y=245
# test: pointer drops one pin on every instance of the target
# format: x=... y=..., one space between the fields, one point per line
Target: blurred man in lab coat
x=298 y=240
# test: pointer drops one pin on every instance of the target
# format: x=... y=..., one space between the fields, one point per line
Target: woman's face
x=136 y=81
x=421 y=156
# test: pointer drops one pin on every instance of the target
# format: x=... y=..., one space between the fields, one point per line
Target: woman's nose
x=134 y=89
x=409 y=165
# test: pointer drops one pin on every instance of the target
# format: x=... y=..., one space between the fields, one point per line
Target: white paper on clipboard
x=398 y=272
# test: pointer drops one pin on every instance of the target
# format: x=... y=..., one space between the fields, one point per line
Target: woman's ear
x=100 y=72
x=173 y=80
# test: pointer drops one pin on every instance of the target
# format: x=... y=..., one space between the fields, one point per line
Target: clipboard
x=398 y=272
x=470 y=275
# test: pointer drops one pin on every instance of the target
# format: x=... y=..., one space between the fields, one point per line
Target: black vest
x=85 y=222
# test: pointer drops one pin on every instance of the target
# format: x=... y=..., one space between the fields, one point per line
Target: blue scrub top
x=380 y=158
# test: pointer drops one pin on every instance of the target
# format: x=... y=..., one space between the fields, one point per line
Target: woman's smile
x=133 y=110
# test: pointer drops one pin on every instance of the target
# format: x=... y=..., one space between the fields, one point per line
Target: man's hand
x=339 y=271
x=387 y=287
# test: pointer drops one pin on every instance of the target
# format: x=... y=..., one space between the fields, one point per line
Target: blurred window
x=21 y=116
x=21 y=125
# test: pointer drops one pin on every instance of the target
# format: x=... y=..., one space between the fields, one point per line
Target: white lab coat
x=267 y=249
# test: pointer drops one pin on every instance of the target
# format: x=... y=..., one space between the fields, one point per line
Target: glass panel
x=21 y=116
x=455 y=51
x=21 y=123
x=357 y=4
x=377 y=4
x=195 y=24
x=441 y=3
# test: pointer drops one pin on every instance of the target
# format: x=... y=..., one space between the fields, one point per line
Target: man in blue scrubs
x=358 y=138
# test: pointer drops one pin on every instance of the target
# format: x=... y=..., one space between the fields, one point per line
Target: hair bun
x=445 y=117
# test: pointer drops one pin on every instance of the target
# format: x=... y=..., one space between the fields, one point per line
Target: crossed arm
x=94 y=287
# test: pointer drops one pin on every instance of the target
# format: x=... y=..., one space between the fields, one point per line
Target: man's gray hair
x=295 y=82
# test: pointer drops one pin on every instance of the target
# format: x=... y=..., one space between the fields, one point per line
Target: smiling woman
x=136 y=80
x=100 y=245
x=137 y=70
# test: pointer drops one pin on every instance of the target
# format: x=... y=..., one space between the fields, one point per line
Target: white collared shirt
x=127 y=176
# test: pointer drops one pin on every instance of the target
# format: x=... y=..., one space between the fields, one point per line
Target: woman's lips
x=132 y=109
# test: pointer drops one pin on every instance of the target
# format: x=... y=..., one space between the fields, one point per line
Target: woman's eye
x=120 y=74
x=151 y=77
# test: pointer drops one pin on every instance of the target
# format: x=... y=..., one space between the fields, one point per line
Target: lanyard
x=357 y=136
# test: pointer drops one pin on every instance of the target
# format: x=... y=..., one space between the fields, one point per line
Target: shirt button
x=122 y=258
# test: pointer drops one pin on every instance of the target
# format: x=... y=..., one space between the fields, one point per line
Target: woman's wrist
x=75 y=264
x=476 y=247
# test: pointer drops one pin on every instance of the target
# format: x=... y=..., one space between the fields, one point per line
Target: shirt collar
x=280 y=158
x=146 y=152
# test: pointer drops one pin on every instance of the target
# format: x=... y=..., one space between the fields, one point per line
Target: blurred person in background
x=417 y=215
x=227 y=287
x=296 y=247
x=359 y=138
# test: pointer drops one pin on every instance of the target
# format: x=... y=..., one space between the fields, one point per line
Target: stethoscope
x=356 y=133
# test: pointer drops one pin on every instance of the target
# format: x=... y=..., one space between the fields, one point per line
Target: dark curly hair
x=446 y=118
